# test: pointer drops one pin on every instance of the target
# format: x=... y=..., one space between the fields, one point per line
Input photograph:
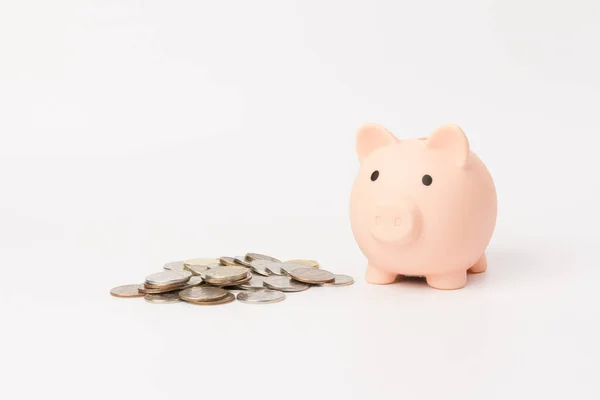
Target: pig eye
x=427 y=180
x=374 y=175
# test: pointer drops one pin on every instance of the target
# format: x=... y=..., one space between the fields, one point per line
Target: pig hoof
x=453 y=280
x=480 y=266
x=379 y=277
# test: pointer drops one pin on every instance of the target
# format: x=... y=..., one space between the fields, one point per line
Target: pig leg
x=379 y=277
x=479 y=266
x=452 y=280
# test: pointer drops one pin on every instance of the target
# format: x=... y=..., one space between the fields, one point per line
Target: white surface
x=133 y=134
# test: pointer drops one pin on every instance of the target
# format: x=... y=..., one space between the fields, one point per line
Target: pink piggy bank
x=423 y=207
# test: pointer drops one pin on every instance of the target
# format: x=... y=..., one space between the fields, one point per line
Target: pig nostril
x=397 y=221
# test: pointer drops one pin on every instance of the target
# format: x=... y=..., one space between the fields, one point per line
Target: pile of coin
x=260 y=279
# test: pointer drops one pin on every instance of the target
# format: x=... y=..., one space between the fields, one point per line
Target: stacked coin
x=165 y=281
x=228 y=276
x=261 y=279
x=206 y=296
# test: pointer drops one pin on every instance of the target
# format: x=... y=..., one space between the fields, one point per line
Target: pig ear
x=451 y=138
x=371 y=137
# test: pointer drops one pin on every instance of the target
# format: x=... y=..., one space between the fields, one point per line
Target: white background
x=134 y=133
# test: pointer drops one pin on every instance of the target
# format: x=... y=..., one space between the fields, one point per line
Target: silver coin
x=166 y=278
x=163 y=298
x=194 y=281
x=210 y=266
x=254 y=284
x=197 y=269
x=200 y=261
x=287 y=266
x=257 y=256
x=203 y=293
x=312 y=275
x=306 y=263
x=226 y=274
x=174 y=266
x=164 y=289
x=227 y=261
x=161 y=286
x=242 y=261
x=284 y=284
x=275 y=268
x=341 y=280
x=263 y=296
x=227 y=299
x=246 y=279
x=260 y=267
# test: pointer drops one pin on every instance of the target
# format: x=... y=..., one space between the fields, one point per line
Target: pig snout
x=398 y=223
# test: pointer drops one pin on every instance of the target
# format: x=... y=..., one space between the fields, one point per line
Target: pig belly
x=424 y=265
x=446 y=276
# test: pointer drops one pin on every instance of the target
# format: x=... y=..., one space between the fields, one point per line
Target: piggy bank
x=422 y=207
